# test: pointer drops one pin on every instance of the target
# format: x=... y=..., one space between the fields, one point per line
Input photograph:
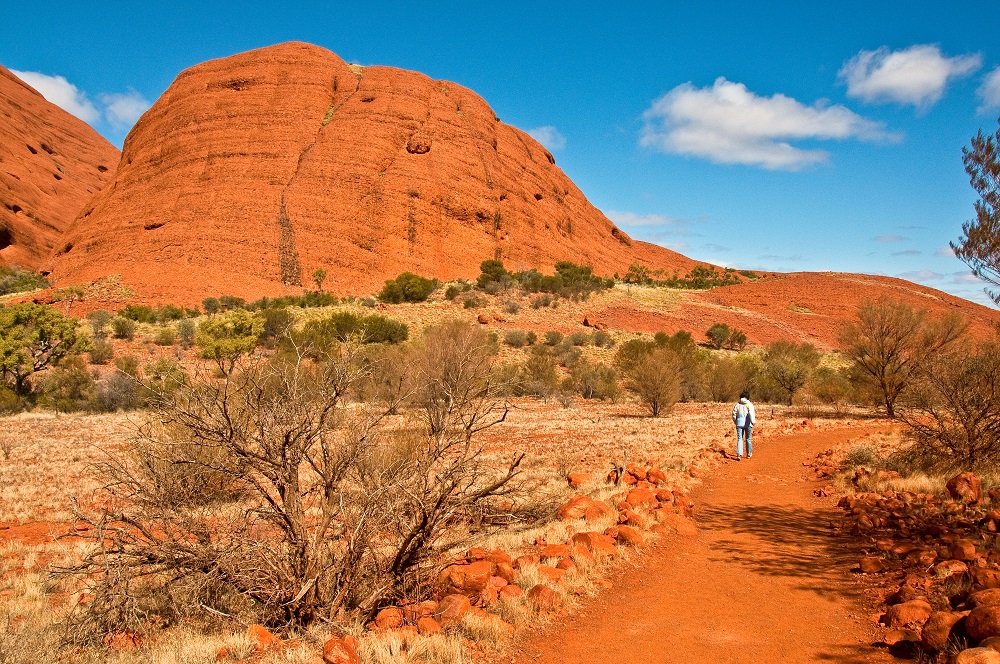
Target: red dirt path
x=761 y=582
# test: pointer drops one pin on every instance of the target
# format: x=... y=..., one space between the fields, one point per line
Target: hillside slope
x=51 y=165
x=252 y=171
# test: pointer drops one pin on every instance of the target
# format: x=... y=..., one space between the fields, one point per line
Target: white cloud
x=921 y=276
x=916 y=75
x=989 y=91
x=548 y=136
x=891 y=238
x=62 y=93
x=634 y=220
x=728 y=124
x=121 y=110
x=945 y=252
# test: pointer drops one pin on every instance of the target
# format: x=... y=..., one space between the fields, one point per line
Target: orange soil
x=761 y=582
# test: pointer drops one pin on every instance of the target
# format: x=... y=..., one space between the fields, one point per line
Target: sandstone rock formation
x=51 y=165
x=252 y=171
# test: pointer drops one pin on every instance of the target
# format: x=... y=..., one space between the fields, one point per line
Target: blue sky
x=782 y=136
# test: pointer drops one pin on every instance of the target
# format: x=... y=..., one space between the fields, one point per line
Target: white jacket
x=744 y=413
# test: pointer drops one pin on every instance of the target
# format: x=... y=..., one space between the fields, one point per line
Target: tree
x=656 y=380
x=789 y=365
x=319 y=276
x=34 y=337
x=228 y=337
x=979 y=246
x=718 y=335
x=889 y=341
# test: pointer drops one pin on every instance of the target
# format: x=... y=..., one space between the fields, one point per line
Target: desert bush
x=34 y=337
x=321 y=334
x=165 y=336
x=511 y=307
x=68 y=387
x=492 y=272
x=277 y=323
x=656 y=380
x=407 y=287
x=99 y=320
x=737 y=340
x=210 y=305
x=594 y=381
x=313 y=508
x=831 y=387
x=226 y=338
x=579 y=338
x=516 y=338
x=540 y=301
x=231 y=303
x=119 y=391
x=726 y=379
x=471 y=302
x=101 y=351
x=888 y=342
x=140 y=313
x=552 y=338
x=123 y=328
x=789 y=365
x=538 y=375
x=186 y=330
x=493 y=288
x=19 y=280
x=718 y=335
x=952 y=408
x=602 y=339
x=455 y=289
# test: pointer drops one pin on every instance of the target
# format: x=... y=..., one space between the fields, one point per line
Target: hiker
x=744 y=417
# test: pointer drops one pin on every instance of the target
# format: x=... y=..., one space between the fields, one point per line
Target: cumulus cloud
x=121 y=110
x=727 y=123
x=548 y=136
x=891 y=238
x=62 y=93
x=989 y=91
x=916 y=75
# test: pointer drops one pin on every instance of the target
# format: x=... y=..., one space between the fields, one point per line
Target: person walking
x=744 y=417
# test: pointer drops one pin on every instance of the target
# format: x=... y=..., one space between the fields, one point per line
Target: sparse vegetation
x=18 y=280
x=407 y=287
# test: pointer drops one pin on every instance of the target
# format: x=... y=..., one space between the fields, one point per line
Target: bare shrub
x=656 y=380
x=953 y=408
x=265 y=493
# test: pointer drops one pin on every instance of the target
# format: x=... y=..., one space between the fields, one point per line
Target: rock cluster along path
x=762 y=581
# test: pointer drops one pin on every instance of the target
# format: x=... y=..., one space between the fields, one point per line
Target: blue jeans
x=741 y=432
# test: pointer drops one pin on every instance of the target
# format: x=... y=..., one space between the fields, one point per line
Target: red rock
x=413 y=612
x=341 y=650
x=638 y=473
x=122 y=641
x=965 y=487
x=389 y=618
x=345 y=167
x=575 y=508
x=988 y=597
x=566 y=564
x=872 y=565
x=53 y=164
x=656 y=476
x=984 y=578
x=949 y=568
x=964 y=549
x=505 y=571
x=683 y=502
x=223 y=654
x=498 y=581
x=682 y=525
x=977 y=656
x=628 y=535
x=543 y=598
x=452 y=608
x=510 y=592
x=581 y=554
x=555 y=551
x=498 y=557
x=260 y=638
x=908 y=614
x=428 y=625
x=939 y=629
x=641 y=498
x=475 y=553
x=526 y=561
x=466 y=579
x=576 y=480
x=596 y=543
x=597 y=511
x=983 y=622
x=551 y=574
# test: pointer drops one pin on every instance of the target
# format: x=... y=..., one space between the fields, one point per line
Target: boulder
x=679 y=523
x=908 y=614
x=964 y=549
x=597 y=511
x=555 y=551
x=977 y=656
x=428 y=625
x=466 y=579
x=452 y=608
x=872 y=565
x=596 y=543
x=389 y=618
x=566 y=564
x=983 y=577
x=505 y=571
x=575 y=508
x=950 y=568
x=988 y=597
x=655 y=476
x=543 y=598
x=527 y=560
x=577 y=480
x=983 y=622
x=260 y=638
x=628 y=535
x=939 y=629
x=414 y=612
x=552 y=575
x=510 y=592
x=641 y=498
x=965 y=487
x=340 y=650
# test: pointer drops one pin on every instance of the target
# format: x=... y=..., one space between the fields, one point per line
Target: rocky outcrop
x=252 y=171
x=51 y=164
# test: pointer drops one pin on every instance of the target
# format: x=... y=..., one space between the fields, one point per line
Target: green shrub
x=718 y=335
x=516 y=338
x=139 y=313
x=277 y=323
x=544 y=300
x=531 y=338
x=602 y=339
x=579 y=338
x=18 y=280
x=471 y=302
x=101 y=351
x=553 y=338
x=123 y=328
x=186 y=330
x=511 y=307
x=210 y=305
x=231 y=302
x=228 y=337
x=69 y=387
x=34 y=337
x=128 y=365
x=99 y=320
x=321 y=335
x=119 y=391
x=165 y=336
x=594 y=381
x=407 y=287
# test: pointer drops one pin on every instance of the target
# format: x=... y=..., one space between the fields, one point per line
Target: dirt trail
x=761 y=582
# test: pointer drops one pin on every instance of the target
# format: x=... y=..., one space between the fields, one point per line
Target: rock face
x=51 y=164
x=252 y=171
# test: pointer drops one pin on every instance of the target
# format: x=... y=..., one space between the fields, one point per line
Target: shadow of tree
x=781 y=541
